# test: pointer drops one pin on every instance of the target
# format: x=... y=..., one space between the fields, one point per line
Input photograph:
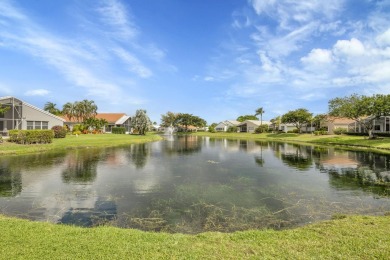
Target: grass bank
x=345 y=141
x=77 y=142
x=353 y=237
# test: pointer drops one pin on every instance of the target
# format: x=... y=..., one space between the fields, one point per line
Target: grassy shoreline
x=356 y=237
x=343 y=141
x=77 y=142
x=353 y=237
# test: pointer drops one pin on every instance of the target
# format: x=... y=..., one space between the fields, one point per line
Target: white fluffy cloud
x=351 y=48
x=318 y=57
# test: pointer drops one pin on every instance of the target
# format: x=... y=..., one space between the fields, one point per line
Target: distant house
x=113 y=119
x=332 y=123
x=249 y=126
x=381 y=125
x=24 y=116
x=287 y=127
x=223 y=126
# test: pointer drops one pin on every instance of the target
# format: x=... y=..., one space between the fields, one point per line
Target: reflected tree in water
x=139 y=154
x=81 y=166
x=10 y=183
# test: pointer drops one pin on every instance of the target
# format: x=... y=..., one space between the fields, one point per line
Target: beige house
x=113 y=119
x=24 y=116
x=332 y=123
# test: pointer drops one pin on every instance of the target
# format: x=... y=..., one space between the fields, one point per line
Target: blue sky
x=216 y=59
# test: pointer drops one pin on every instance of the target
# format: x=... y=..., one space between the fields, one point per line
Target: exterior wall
x=221 y=127
x=31 y=114
x=285 y=128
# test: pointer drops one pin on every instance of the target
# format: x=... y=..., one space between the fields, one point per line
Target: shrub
x=118 y=130
x=321 y=132
x=232 y=129
x=77 y=132
x=295 y=131
x=59 y=131
x=31 y=136
x=1 y=139
x=79 y=128
x=212 y=129
x=339 y=131
x=261 y=129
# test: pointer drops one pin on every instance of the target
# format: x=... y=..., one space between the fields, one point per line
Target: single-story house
x=381 y=125
x=223 y=126
x=113 y=119
x=250 y=126
x=332 y=123
x=24 y=116
x=287 y=127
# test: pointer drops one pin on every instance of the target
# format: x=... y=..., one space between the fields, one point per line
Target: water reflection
x=191 y=184
x=81 y=166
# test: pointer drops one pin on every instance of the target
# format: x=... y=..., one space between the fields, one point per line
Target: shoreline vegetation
x=348 y=142
x=77 y=142
x=357 y=237
x=347 y=237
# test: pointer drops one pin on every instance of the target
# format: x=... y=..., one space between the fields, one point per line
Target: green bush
x=1 y=139
x=212 y=129
x=261 y=129
x=119 y=130
x=321 y=132
x=339 y=131
x=59 y=131
x=294 y=131
x=232 y=129
x=31 y=136
x=78 y=127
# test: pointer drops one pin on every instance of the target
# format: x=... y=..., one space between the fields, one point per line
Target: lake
x=191 y=184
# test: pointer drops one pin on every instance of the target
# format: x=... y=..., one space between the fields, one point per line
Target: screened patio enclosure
x=12 y=118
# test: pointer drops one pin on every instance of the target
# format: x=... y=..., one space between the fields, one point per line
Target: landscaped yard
x=74 y=142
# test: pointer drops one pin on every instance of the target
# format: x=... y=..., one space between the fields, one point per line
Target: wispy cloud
x=115 y=15
x=37 y=92
x=133 y=64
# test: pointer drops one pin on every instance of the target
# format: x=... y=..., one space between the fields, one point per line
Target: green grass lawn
x=75 y=142
x=354 y=142
x=352 y=237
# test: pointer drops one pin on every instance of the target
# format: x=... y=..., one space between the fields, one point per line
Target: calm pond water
x=191 y=184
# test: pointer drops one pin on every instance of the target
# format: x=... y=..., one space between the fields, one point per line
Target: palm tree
x=260 y=111
x=69 y=110
x=51 y=108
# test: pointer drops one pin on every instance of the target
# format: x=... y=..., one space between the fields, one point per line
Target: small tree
x=297 y=117
x=169 y=119
x=140 y=122
x=51 y=108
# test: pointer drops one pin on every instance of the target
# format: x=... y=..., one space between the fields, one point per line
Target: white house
x=249 y=126
x=24 y=116
x=223 y=126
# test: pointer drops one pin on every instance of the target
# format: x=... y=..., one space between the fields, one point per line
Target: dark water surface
x=194 y=184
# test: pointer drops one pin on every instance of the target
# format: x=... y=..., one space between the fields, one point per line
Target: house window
x=251 y=128
x=377 y=127
x=219 y=129
x=37 y=125
x=30 y=125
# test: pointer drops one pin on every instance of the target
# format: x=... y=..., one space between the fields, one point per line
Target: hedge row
x=31 y=136
x=119 y=130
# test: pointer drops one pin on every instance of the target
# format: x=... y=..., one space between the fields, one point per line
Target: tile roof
x=110 y=117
